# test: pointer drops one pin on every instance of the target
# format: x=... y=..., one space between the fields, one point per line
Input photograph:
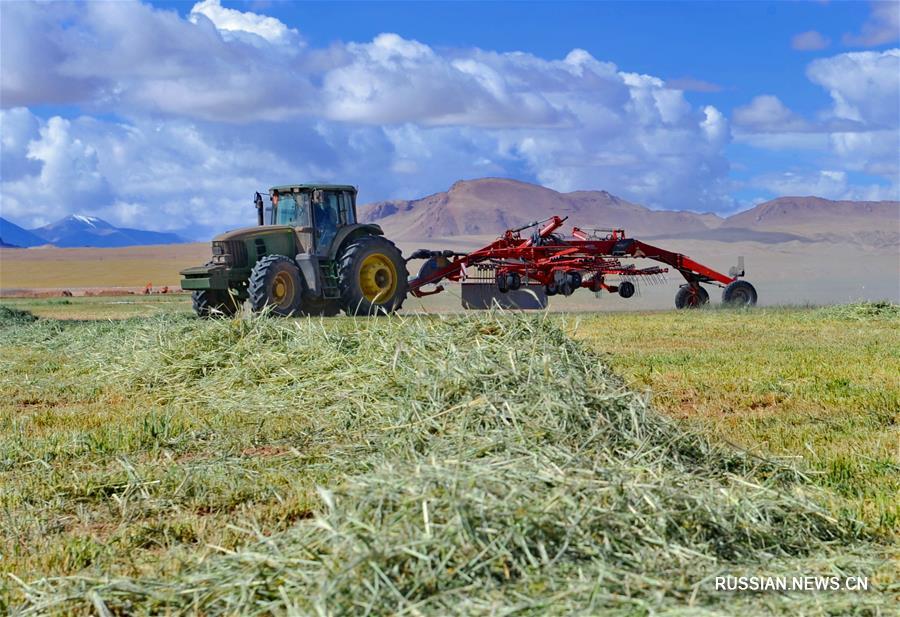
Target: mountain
x=874 y=223
x=490 y=205
x=13 y=235
x=89 y=231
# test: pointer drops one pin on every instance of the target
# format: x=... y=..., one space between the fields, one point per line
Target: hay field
x=446 y=465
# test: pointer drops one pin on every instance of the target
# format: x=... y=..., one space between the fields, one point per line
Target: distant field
x=49 y=268
x=783 y=273
x=164 y=464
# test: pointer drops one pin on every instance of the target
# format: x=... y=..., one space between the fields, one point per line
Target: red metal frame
x=544 y=257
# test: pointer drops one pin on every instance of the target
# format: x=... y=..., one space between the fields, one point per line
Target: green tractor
x=307 y=256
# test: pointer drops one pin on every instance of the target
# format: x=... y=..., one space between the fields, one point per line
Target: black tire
x=502 y=284
x=275 y=283
x=213 y=303
x=739 y=293
x=551 y=289
x=626 y=289
x=691 y=297
x=513 y=281
x=372 y=277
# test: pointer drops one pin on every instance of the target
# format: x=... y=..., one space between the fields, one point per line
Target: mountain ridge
x=487 y=206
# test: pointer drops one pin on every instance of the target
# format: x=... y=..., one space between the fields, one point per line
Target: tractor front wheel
x=689 y=296
x=739 y=293
x=275 y=283
x=214 y=303
x=372 y=277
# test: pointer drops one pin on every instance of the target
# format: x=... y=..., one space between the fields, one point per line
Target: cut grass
x=474 y=464
x=817 y=384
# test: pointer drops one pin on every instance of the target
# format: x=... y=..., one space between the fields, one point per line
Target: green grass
x=820 y=385
x=102 y=307
x=430 y=465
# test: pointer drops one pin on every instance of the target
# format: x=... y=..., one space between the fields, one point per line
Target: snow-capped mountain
x=77 y=230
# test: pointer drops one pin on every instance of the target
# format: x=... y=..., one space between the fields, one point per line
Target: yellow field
x=55 y=268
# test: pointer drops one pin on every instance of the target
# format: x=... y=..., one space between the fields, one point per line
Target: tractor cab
x=320 y=210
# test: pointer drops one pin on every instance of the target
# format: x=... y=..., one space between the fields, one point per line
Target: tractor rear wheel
x=275 y=282
x=213 y=303
x=739 y=293
x=372 y=277
x=691 y=297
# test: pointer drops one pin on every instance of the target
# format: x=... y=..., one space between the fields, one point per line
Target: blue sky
x=166 y=115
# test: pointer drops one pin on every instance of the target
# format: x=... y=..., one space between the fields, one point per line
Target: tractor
x=308 y=255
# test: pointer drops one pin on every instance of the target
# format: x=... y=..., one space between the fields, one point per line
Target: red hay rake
x=561 y=265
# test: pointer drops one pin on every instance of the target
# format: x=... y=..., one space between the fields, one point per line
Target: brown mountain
x=490 y=205
x=817 y=215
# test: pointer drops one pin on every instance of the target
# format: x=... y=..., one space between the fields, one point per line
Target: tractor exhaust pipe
x=260 y=208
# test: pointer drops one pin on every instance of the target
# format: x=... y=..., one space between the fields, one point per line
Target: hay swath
x=553 y=264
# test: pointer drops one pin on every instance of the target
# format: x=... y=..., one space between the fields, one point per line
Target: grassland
x=821 y=385
x=475 y=464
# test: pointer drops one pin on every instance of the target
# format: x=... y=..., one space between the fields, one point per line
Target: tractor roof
x=309 y=187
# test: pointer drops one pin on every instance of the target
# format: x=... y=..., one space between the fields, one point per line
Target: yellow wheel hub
x=283 y=289
x=378 y=278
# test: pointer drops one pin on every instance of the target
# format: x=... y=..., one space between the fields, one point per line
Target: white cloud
x=185 y=118
x=132 y=58
x=830 y=184
x=859 y=132
x=224 y=102
x=767 y=114
x=865 y=86
x=810 y=41
x=882 y=26
x=233 y=21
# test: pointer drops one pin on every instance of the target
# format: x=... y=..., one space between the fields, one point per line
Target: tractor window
x=345 y=209
x=327 y=213
x=293 y=210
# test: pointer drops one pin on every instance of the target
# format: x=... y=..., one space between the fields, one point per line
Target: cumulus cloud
x=237 y=22
x=864 y=86
x=859 y=132
x=210 y=108
x=183 y=118
x=881 y=28
x=132 y=58
x=830 y=184
x=810 y=41
x=767 y=114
